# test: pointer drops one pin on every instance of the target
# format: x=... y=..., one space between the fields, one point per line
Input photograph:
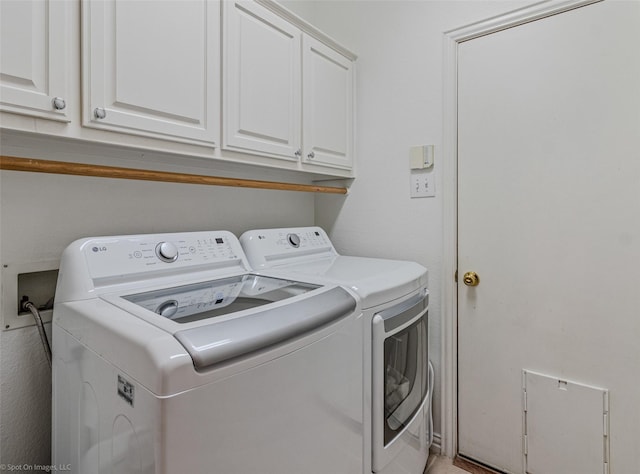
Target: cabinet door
x=152 y=68
x=262 y=79
x=327 y=105
x=33 y=58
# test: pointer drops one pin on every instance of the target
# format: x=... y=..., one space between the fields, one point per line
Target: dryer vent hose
x=29 y=306
x=430 y=398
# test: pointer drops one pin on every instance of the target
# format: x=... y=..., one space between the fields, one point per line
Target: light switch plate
x=422 y=184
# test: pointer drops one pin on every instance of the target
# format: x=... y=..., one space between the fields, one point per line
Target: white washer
x=394 y=299
x=170 y=356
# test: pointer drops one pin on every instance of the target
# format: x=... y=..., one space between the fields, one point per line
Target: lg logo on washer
x=99 y=249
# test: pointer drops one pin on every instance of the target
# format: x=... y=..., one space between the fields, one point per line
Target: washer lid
x=215 y=343
x=221 y=319
x=214 y=298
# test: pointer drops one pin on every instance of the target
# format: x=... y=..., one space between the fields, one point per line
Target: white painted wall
x=399 y=104
x=40 y=214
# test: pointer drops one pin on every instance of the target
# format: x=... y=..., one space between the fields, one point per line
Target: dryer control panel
x=271 y=247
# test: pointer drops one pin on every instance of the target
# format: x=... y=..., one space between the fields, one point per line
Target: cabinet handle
x=59 y=103
x=298 y=153
x=311 y=155
x=99 y=113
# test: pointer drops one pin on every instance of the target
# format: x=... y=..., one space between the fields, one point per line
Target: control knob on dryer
x=294 y=240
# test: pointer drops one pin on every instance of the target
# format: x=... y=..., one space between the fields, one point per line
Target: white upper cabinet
x=33 y=58
x=286 y=93
x=262 y=94
x=152 y=68
x=238 y=81
x=328 y=105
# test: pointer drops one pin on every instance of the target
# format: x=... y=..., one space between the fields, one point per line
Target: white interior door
x=549 y=218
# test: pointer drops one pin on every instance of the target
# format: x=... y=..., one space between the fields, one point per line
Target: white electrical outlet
x=422 y=184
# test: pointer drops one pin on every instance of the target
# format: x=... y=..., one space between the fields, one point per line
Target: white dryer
x=394 y=299
x=170 y=356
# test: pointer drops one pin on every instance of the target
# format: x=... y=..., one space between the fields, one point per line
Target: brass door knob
x=471 y=279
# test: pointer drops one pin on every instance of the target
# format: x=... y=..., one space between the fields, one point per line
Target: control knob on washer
x=168 y=308
x=167 y=252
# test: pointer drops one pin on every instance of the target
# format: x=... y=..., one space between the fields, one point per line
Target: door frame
x=452 y=39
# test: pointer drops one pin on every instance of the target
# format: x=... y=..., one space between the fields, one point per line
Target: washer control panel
x=269 y=247
x=126 y=255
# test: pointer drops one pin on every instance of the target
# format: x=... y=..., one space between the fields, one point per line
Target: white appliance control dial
x=294 y=240
x=167 y=252
x=168 y=308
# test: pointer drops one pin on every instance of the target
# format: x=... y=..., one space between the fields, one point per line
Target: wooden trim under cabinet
x=12 y=163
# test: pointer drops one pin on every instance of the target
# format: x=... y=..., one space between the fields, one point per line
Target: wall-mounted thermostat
x=420 y=157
